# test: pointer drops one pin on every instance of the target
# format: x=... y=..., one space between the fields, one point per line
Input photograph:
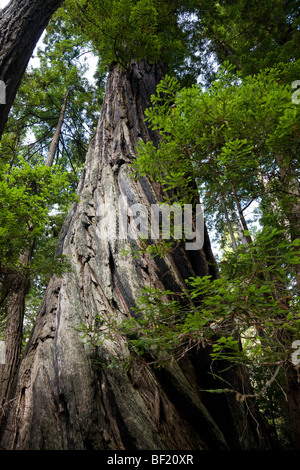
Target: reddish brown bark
x=19 y=287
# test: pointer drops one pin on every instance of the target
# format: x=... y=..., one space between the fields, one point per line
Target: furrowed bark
x=21 y=25
x=19 y=286
x=292 y=373
x=65 y=397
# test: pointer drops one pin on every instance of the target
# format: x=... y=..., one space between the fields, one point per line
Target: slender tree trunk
x=228 y=50
x=292 y=373
x=290 y=205
x=54 y=142
x=65 y=395
x=238 y=226
x=19 y=286
x=247 y=237
x=229 y=225
x=21 y=25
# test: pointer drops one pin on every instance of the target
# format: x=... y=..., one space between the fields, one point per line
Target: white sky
x=3 y=3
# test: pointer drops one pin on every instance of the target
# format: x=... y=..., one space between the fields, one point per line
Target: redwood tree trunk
x=64 y=397
x=19 y=286
x=21 y=25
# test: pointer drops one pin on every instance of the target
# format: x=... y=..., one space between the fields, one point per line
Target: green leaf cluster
x=244 y=317
x=27 y=195
x=251 y=35
x=122 y=30
x=227 y=138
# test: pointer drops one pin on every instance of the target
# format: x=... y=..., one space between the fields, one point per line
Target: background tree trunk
x=63 y=398
x=21 y=25
x=19 y=287
x=55 y=140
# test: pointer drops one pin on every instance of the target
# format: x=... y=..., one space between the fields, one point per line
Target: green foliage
x=61 y=70
x=251 y=35
x=152 y=330
x=227 y=138
x=122 y=30
x=26 y=196
x=34 y=198
x=153 y=249
x=241 y=316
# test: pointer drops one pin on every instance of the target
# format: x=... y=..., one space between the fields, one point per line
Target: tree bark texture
x=55 y=139
x=19 y=287
x=63 y=398
x=21 y=24
x=292 y=373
